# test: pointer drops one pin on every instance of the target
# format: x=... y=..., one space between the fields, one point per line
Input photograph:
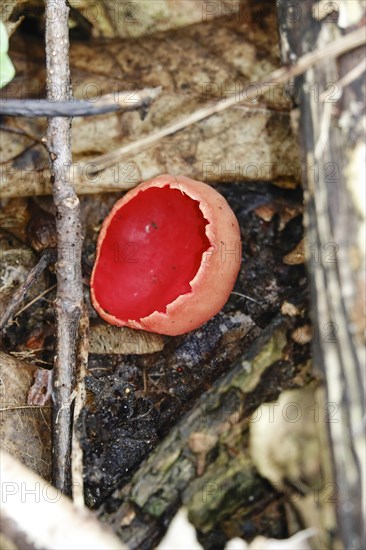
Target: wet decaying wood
x=331 y=100
x=204 y=461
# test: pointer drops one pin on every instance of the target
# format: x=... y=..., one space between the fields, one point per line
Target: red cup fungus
x=168 y=255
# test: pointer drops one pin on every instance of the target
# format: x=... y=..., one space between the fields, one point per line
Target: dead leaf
x=107 y=339
x=201 y=444
x=14 y=268
x=302 y=335
x=285 y=211
x=288 y=308
x=14 y=217
x=265 y=212
x=288 y=447
x=25 y=430
x=194 y=65
x=297 y=255
x=41 y=390
x=126 y=19
x=7 y=9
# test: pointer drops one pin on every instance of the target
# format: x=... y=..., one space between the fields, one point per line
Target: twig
x=21 y=132
x=31 y=278
x=347 y=79
x=69 y=299
x=29 y=304
x=24 y=407
x=120 y=101
x=77 y=452
x=245 y=296
x=279 y=76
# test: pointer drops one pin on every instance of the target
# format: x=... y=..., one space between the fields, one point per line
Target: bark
x=69 y=298
x=331 y=99
x=204 y=462
x=122 y=101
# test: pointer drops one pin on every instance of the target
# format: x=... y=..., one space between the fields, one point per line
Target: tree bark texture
x=204 y=462
x=69 y=241
x=331 y=100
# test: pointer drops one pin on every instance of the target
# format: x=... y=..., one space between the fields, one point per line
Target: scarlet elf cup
x=168 y=255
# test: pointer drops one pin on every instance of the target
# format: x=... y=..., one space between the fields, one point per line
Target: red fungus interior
x=151 y=251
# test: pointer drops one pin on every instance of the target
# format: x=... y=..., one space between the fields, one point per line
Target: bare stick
x=80 y=399
x=279 y=76
x=69 y=296
x=119 y=101
x=29 y=304
x=347 y=79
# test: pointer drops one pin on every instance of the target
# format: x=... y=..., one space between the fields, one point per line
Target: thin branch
x=279 y=76
x=24 y=407
x=245 y=296
x=120 y=101
x=347 y=79
x=80 y=399
x=31 y=278
x=69 y=299
x=39 y=297
x=21 y=132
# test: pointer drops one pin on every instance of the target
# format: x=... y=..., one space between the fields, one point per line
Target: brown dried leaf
x=125 y=19
x=265 y=212
x=25 y=430
x=297 y=255
x=7 y=9
x=14 y=268
x=302 y=335
x=14 y=216
x=194 y=65
x=107 y=339
x=297 y=419
x=285 y=211
x=290 y=309
x=201 y=444
x=41 y=390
